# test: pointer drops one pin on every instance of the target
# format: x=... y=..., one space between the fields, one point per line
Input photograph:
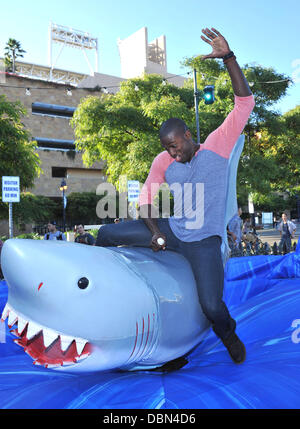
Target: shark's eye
x=83 y=283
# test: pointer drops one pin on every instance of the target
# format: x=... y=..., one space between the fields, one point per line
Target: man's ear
x=188 y=134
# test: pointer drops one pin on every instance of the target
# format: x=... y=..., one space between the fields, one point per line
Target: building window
x=54 y=143
x=59 y=172
x=53 y=110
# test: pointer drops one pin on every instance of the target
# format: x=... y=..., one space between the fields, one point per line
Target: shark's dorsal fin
x=231 y=199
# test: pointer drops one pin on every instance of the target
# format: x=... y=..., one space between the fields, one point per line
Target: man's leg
x=133 y=233
x=288 y=244
x=206 y=261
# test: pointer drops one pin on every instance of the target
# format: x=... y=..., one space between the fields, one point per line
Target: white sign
x=250 y=204
x=133 y=189
x=267 y=218
x=11 y=189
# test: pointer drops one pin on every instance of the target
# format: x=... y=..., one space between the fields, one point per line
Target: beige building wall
x=43 y=126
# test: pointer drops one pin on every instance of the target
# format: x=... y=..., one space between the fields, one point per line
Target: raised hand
x=217 y=42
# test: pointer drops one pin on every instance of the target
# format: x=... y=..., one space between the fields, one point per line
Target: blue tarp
x=263 y=295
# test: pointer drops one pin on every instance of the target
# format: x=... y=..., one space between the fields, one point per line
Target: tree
x=13 y=50
x=17 y=152
x=122 y=129
x=32 y=208
x=81 y=207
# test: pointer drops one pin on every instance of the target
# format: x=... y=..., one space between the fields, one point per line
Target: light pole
x=207 y=95
x=196 y=100
x=63 y=188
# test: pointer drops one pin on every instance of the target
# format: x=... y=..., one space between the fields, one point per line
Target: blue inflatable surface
x=263 y=294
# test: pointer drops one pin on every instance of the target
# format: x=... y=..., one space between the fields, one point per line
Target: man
x=287 y=231
x=235 y=228
x=53 y=233
x=247 y=227
x=84 y=237
x=196 y=233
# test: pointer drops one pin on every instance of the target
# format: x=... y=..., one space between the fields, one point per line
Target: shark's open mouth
x=46 y=346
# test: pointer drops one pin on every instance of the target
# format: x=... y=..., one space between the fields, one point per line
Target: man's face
x=179 y=146
x=51 y=227
x=284 y=217
x=80 y=229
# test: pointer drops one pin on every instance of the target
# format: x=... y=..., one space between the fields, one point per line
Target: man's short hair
x=172 y=125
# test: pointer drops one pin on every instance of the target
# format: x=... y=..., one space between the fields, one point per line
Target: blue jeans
x=285 y=244
x=204 y=257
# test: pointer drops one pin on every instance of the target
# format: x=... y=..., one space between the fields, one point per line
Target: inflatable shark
x=85 y=308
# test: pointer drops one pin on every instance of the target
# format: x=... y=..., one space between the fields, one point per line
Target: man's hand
x=155 y=246
x=217 y=42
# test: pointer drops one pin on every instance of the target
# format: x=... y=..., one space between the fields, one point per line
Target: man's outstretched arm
x=220 y=49
x=223 y=139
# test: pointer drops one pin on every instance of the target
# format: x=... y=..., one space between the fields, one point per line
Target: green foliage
x=123 y=129
x=93 y=232
x=17 y=152
x=81 y=207
x=30 y=236
x=13 y=50
x=30 y=209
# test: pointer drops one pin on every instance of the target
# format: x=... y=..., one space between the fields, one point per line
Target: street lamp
x=63 y=188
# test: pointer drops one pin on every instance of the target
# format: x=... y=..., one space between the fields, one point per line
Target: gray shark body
x=86 y=308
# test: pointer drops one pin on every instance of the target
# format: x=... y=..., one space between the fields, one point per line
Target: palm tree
x=13 y=50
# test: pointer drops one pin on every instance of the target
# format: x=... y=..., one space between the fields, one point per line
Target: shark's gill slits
x=146 y=337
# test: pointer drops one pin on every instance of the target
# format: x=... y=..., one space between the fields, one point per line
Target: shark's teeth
x=32 y=329
x=49 y=337
x=21 y=324
x=12 y=318
x=5 y=312
x=65 y=341
x=80 y=345
x=29 y=329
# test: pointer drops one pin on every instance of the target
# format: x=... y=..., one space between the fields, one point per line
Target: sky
x=265 y=32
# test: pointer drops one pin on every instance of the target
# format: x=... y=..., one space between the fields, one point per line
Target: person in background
x=84 y=237
x=235 y=229
x=54 y=234
x=247 y=227
x=287 y=231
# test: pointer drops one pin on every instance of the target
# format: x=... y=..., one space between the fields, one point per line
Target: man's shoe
x=235 y=348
